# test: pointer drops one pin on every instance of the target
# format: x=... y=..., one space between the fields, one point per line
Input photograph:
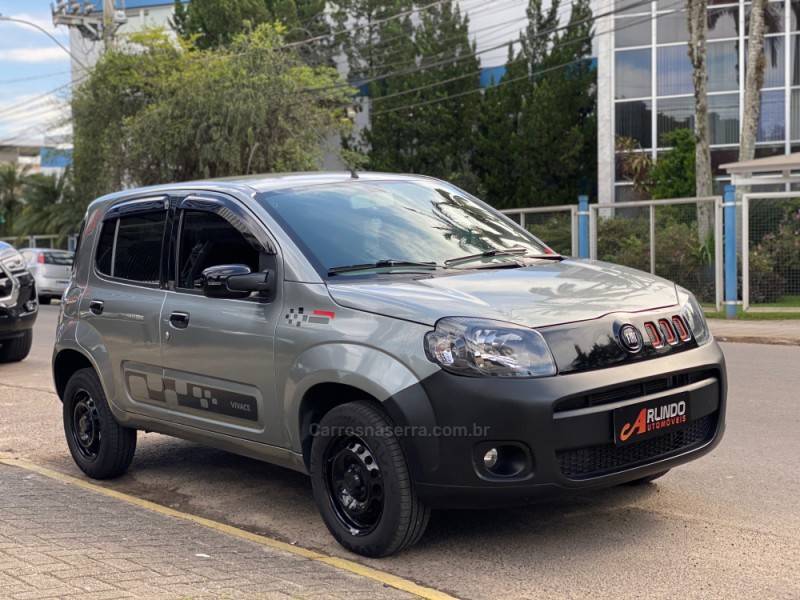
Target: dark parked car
x=18 y=305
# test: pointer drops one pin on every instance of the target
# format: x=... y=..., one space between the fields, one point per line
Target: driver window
x=208 y=240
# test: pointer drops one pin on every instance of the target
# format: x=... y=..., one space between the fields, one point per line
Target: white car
x=51 y=269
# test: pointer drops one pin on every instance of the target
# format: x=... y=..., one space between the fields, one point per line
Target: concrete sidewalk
x=783 y=332
x=61 y=541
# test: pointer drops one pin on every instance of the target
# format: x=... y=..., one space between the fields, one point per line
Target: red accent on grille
x=669 y=334
x=680 y=327
x=652 y=333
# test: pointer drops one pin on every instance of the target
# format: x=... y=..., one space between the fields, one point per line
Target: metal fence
x=770 y=253
x=555 y=225
x=666 y=238
x=59 y=242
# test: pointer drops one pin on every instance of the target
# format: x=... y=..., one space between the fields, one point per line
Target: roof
x=769 y=164
x=262 y=183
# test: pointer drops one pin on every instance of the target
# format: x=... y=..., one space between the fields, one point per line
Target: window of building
x=723 y=66
x=771 y=126
x=631 y=6
x=674 y=113
x=208 y=240
x=795 y=115
x=632 y=74
x=774 y=71
x=672 y=27
x=773 y=18
x=674 y=71
x=723 y=118
x=723 y=22
x=632 y=31
x=795 y=70
x=633 y=120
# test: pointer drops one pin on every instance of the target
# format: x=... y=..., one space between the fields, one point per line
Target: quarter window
x=208 y=240
x=130 y=247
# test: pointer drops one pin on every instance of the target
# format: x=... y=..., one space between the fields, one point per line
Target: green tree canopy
x=157 y=112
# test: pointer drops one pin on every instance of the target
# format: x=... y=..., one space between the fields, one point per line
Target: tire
x=16 y=349
x=45 y=299
x=388 y=516
x=648 y=479
x=100 y=446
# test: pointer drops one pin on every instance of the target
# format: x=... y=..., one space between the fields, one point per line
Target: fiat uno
x=401 y=342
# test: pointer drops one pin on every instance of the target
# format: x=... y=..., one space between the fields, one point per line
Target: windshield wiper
x=380 y=264
x=516 y=251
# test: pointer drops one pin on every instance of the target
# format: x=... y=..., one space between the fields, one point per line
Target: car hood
x=541 y=294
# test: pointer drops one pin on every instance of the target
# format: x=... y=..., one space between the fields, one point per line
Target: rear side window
x=208 y=240
x=62 y=259
x=130 y=247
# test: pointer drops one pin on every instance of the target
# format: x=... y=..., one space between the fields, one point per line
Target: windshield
x=362 y=222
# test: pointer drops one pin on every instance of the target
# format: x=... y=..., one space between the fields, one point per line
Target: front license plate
x=649 y=419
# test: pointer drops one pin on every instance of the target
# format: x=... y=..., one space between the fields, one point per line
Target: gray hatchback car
x=398 y=340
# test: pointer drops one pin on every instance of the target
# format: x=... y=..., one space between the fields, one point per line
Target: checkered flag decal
x=295 y=317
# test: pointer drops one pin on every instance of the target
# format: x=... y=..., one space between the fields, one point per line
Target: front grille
x=630 y=391
x=582 y=463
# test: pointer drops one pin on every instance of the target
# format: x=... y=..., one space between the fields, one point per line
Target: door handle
x=96 y=306
x=179 y=320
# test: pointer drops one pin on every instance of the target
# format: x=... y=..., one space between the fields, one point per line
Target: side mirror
x=234 y=281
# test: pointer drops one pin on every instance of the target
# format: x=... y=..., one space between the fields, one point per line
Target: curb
x=754 y=339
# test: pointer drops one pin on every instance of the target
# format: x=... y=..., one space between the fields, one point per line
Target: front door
x=218 y=353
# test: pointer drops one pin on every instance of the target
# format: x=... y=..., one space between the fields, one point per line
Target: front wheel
x=361 y=482
x=100 y=446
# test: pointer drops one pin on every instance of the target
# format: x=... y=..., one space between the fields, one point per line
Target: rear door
x=218 y=352
x=121 y=305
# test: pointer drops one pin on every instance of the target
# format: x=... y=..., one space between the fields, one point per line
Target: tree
x=697 y=16
x=212 y=23
x=753 y=81
x=541 y=119
x=12 y=181
x=672 y=176
x=50 y=206
x=171 y=113
x=422 y=120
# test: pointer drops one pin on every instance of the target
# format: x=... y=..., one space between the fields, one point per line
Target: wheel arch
x=66 y=363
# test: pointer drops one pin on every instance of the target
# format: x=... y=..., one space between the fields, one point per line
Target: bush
x=765 y=284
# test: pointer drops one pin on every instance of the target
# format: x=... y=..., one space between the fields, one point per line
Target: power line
x=33 y=77
x=503 y=82
x=47 y=33
x=36 y=99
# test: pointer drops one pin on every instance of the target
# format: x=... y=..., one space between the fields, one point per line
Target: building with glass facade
x=645 y=85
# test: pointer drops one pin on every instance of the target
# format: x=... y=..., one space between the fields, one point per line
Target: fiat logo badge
x=630 y=338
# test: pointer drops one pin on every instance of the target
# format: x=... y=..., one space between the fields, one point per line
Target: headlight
x=12 y=260
x=480 y=347
x=693 y=315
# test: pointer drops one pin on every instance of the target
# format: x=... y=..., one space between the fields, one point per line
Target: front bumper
x=20 y=316
x=564 y=425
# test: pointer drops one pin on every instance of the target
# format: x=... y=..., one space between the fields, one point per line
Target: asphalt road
x=726 y=526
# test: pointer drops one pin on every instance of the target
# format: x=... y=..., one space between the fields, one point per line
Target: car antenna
x=353 y=173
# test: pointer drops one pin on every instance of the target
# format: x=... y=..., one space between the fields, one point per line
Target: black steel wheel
x=355 y=484
x=86 y=428
x=361 y=482
x=100 y=446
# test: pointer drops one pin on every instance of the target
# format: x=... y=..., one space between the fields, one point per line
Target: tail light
x=41 y=260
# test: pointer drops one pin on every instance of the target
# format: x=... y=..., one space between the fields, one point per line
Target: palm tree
x=754 y=79
x=12 y=180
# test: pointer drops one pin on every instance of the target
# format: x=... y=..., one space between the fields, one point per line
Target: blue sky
x=31 y=68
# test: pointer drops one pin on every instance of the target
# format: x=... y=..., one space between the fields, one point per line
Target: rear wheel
x=100 y=446
x=361 y=482
x=16 y=349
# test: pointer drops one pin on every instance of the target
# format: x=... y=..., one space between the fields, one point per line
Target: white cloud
x=33 y=55
x=45 y=22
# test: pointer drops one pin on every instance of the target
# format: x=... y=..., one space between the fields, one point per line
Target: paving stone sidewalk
x=785 y=332
x=62 y=541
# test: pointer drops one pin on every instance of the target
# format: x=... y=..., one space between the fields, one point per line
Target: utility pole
x=92 y=25
x=108 y=24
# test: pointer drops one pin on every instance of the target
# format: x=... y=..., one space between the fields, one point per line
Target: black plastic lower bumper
x=15 y=320
x=558 y=431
